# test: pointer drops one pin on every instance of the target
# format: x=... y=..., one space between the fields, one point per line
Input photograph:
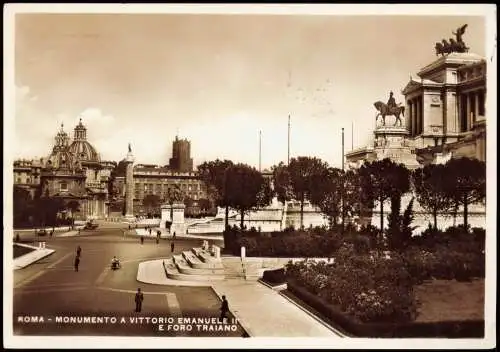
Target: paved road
x=52 y=289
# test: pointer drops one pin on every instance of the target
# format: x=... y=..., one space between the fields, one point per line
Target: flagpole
x=288 y=159
x=260 y=150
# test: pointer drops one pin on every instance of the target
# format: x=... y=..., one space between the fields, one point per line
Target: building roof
x=81 y=148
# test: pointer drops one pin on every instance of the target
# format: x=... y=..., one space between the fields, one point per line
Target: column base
x=129 y=218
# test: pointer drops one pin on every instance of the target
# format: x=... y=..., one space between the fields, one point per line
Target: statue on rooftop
x=453 y=45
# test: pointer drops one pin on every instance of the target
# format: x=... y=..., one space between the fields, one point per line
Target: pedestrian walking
x=149 y=231
x=142 y=239
x=129 y=228
x=77 y=262
x=224 y=308
x=172 y=245
x=139 y=297
x=174 y=235
x=78 y=251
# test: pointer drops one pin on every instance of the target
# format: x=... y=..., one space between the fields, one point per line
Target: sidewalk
x=261 y=311
x=31 y=257
x=164 y=234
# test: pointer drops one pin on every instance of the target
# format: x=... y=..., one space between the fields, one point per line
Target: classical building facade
x=445 y=116
x=73 y=172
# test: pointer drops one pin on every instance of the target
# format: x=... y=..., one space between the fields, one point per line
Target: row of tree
x=339 y=194
x=41 y=211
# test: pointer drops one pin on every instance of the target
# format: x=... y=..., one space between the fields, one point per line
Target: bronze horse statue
x=384 y=110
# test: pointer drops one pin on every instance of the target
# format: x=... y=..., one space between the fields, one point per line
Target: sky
x=217 y=80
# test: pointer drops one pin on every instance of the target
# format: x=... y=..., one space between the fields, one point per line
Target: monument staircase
x=204 y=264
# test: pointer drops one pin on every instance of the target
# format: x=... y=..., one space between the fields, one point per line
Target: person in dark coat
x=139 y=297
x=78 y=251
x=77 y=262
x=172 y=246
x=142 y=239
x=224 y=308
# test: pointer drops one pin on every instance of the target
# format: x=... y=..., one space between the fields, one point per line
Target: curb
x=315 y=317
x=18 y=267
x=245 y=327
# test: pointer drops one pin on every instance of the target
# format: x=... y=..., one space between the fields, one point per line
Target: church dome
x=61 y=156
x=81 y=148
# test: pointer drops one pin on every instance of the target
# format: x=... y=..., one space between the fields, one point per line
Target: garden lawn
x=21 y=250
x=442 y=300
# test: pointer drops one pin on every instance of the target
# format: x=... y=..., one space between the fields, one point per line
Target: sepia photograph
x=240 y=176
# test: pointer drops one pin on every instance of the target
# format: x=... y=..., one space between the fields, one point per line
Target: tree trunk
x=434 y=214
x=302 y=211
x=227 y=217
x=381 y=216
x=465 y=212
x=242 y=213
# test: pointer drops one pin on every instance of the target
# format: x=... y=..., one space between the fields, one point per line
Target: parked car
x=41 y=232
x=90 y=226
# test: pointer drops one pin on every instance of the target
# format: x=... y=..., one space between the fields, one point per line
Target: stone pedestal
x=393 y=142
x=173 y=213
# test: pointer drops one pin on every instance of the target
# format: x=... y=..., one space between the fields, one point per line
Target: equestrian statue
x=391 y=108
x=453 y=45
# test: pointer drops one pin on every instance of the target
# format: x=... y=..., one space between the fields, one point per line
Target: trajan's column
x=129 y=185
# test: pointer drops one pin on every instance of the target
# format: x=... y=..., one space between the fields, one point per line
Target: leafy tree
x=282 y=182
x=22 y=206
x=73 y=206
x=47 y=209
x=466 y=183
x=303 y=173
x=400 y=230
x=151 y=202
x=327 y=193
x=357 y=201
x=213 y=173
x=382 y=180
x=204 y=205
x=431 y=183
x=245 y=189
x=266 y=193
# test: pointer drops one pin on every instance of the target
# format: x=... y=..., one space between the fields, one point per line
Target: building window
x=481 y=107
x=463 y=113
x=19 y=180
x=64 y=186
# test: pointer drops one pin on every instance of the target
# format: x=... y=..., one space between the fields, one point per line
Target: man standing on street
x=142 y=239
x=224 y=308
x=77 y=262
x=139 y=297
x=78 y=251
x=172 y=245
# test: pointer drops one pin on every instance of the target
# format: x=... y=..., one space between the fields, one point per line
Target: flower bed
x=367 y=287
x=443 y=329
